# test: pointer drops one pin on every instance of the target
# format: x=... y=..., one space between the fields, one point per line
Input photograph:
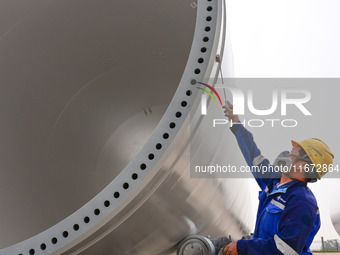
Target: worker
x=288 y=215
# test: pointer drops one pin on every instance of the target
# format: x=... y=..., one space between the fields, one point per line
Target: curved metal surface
x=335 y=211
x=96 y=129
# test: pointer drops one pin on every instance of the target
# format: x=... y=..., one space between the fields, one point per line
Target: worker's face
x=295 y=151
x=299 y=164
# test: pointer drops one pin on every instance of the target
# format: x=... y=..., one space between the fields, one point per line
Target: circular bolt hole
x=200 y=60
x=116 y=195
x=206 y=39
x=126 y=185
x=209 y=8
x=134 y=176
x=158 y=146
x=76 y=227
x=209 y=18
x=96 y=212
x=54 y=240
x=165 y=135
x=142 y=166
x=184 y=103
x=207 y=29
x=197 y=71
x=178 y=114
x=32 y=252
x=172 y=125
x=43 y=246
x=86 y=219
x=107 y=203
x=204 y=49
x=193 y=82
x=151 y=156
x=189 y=92
x=65 y=234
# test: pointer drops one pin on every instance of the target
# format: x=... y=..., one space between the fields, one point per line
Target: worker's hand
x=228 y=112
x=231 y=249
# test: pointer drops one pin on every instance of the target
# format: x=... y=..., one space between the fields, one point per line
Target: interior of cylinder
x=83 y=85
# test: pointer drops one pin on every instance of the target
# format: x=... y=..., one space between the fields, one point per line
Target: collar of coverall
x=282 y=188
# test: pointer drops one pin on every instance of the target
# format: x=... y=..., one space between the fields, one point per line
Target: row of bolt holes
x=107 y=203
x=151 y=156
x=126 y=185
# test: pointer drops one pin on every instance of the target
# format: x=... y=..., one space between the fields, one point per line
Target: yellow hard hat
x=318 y=152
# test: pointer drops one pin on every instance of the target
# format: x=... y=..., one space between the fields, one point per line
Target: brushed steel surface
x=72 y=72
x=335 y=211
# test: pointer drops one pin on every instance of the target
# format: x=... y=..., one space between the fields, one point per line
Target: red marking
x=212 y=90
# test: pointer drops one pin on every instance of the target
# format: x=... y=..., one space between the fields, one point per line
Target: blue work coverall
x=287 y=217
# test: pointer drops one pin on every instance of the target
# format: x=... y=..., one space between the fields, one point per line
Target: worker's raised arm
x=261 y=169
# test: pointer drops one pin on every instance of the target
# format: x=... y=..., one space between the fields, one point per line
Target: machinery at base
x=200 y=245
x=196 y=245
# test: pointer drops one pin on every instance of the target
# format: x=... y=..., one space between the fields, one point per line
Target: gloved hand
x=231 y=249
x=220 y=243
x=228 y=112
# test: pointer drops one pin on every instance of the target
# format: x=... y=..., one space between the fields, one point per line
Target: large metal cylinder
x=335 y=211
x=100 y=121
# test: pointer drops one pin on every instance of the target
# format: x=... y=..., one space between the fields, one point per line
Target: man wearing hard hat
x=288 y=215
